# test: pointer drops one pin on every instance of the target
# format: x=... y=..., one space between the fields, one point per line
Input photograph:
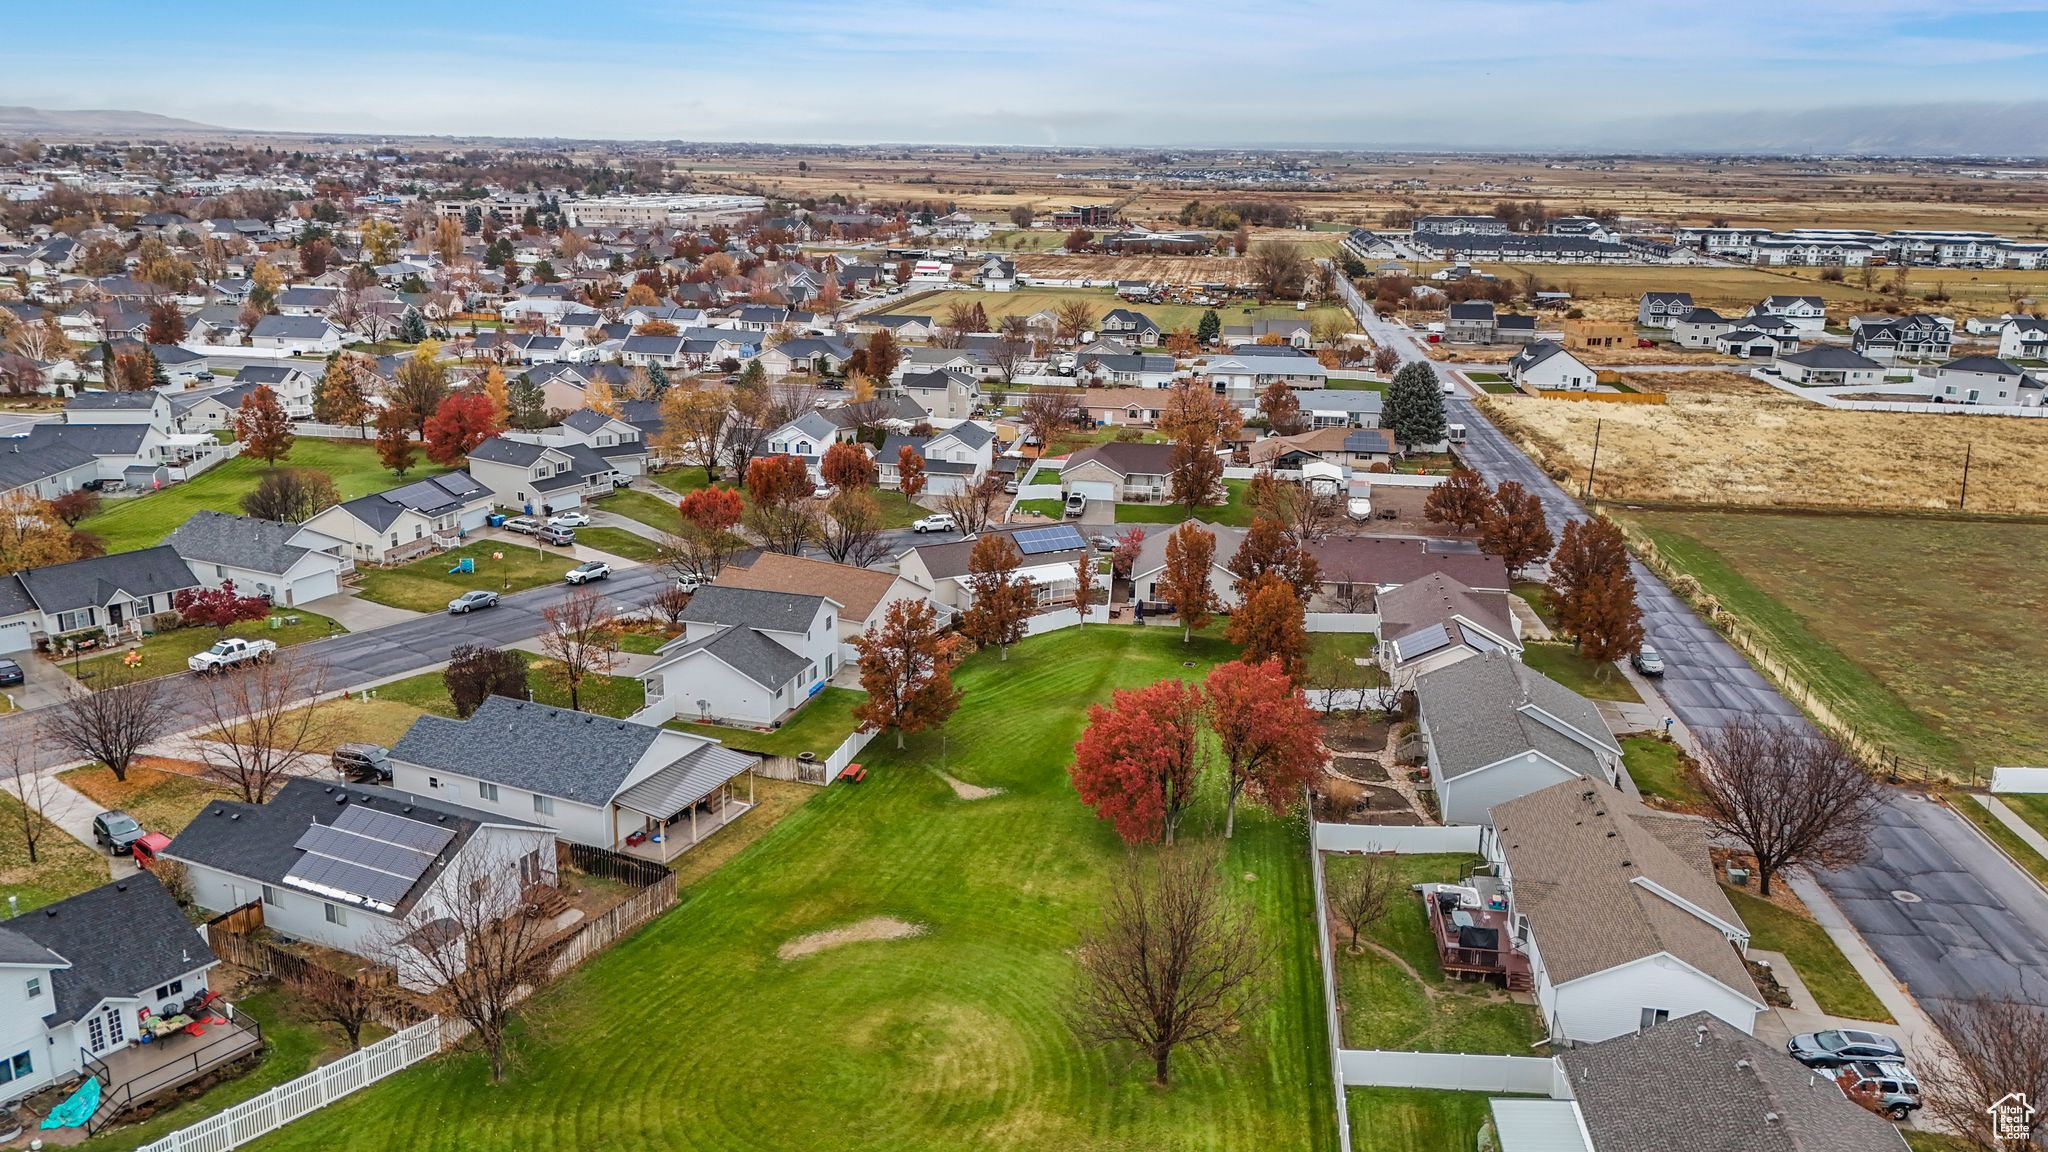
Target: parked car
x=363 y=763
x=146 y=850
x=524 y=525
x=1076 y=504
x=1647 y=661
x=1896 y=1089
x=471 y=601
x=569 y=519
x=588 y=571
x=116 y=831
x=11 y=674
x=231 y=653
x=936 y=522
x=1842 y=1046
x=556 y=535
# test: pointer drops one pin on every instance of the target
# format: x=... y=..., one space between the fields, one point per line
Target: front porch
x=140 y=1072
x=681 y=805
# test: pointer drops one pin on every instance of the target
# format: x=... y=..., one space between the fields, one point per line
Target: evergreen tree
x=1414 y=409
x=1209 y=328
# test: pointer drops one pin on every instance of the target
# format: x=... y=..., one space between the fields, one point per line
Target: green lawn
x=144 y=521
x=166 y=652
x=1654 y=765
x=1234 y=513
x=823 y=725
x=427 y=584
x=1384 y=1007
x=604 y=695
x=952 y=1039
x=2008 y=841
x=63 y=866
x=1904 y=625
x=1834 y=984
x=1562 y=663
x=1415 y=1119
x=618 y=542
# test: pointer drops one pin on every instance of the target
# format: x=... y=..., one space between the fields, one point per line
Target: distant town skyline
x=1459 y=73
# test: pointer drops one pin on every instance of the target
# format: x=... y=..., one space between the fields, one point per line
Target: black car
x=10 y=674
x=1839 y=1046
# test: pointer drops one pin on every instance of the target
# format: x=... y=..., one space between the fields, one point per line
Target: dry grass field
x=1736 y=447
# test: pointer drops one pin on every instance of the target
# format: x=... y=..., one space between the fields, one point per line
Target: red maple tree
x=1138 y=762
x=218 y=608
x=461 y=422
x=906 y=668
x=1266 y=734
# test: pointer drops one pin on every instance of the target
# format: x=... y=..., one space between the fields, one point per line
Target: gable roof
x=93 y=582
x=857 y=590
x=1586 y=864
x=1696 y=1083
x=754 y=608
x=574 y=755
x=242 y=541
x=119 y=939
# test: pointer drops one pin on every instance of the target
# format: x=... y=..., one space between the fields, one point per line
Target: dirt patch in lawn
x=966 y=791
x=872 y=928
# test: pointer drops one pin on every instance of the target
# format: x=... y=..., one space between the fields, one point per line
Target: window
x=273 y=897
x=545 y=805
x=335 y=915
x=487 y=792
x=1653 y=1017
x=35 y=987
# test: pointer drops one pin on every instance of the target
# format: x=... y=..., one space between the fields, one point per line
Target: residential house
x=1049 y=561
x=299 y=335
x=1662 y=309
x=1809 y=314
x=864 y=594
x=1830 y=365
x=943 y=393
x=293 y=385
x=540 y=478
x=1494 y=730
x=1547 y=366
x=1617 y=909
x=1119 y=473
x=1150 y=566
x=1699 y=327
x=1986 y=380
x=302 y=858
x=1435 y=622
x=80 y=977
x=287 y=564
x=100 y=597
x=401 y=523
x=1915 y=337
x=620 y=785
x=746 y=656
x=1469 y=322
x=2023 y=338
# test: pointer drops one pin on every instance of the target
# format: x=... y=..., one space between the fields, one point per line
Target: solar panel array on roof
x=1038 y=541
x=366 y=856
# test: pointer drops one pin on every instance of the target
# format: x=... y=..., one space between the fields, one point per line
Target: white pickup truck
x=233 y=652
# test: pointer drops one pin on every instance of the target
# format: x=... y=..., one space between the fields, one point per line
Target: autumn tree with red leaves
x=1266 y=735
x=1269 y=624
x=1594 y=591
x=1514 y=529
x=1461 y=501
x=1001 y=602
x=1140 y=759
x=1190 y=551
x=906 y=669
x=218 y=608
x=909 y=472
x=848 y=466
x=463 y=421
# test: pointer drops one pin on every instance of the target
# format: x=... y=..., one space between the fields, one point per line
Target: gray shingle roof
x=242 y=541
x=1695 y=1083
x=93 y=582
x=121 y=939
x=753 y=608
x=573 y=755
x=1483 y=710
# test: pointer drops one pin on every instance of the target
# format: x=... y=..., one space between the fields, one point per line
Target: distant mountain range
x=17 y=120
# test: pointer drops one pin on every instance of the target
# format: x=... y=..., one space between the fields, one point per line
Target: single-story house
x=404 y=522
x=614 y=784
x=1493 y=729
x=746 y=656
x=288 y=563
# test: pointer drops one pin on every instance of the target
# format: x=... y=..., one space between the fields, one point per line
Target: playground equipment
x=466 y=564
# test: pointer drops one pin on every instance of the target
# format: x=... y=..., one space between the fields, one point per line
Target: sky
x=1457 y=73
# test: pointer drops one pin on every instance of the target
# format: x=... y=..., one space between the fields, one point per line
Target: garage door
x=14 y=636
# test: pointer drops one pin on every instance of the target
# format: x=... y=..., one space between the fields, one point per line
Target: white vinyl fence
x=2019 y=779
x=1401 y=839
x=1452 y=1071
x=316 y=1089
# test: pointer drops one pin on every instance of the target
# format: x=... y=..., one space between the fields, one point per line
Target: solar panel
x=1038 y=541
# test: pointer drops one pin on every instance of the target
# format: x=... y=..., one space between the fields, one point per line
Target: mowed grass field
x=144 y=521
x=695 y=1034
x=1025 y=301
x=1924 y=632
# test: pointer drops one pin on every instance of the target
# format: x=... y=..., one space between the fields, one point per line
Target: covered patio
x=681 y=804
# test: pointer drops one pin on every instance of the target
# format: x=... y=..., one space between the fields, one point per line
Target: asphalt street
x=1968 y=923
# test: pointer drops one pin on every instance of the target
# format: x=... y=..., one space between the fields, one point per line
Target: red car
x=147 y=849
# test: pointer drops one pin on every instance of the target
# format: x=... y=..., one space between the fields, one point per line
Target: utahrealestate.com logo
x=2012 y=1118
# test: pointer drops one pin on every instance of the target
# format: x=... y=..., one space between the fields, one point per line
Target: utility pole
x=1964 y=496
x=1593 y=469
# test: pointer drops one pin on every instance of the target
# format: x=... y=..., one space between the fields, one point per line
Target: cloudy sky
x=1169 y=72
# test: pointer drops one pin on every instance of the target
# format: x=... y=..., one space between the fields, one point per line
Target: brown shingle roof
x=858 y=590
x=1583 y=859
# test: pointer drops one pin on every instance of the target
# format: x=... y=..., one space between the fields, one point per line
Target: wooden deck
x=1503 y=963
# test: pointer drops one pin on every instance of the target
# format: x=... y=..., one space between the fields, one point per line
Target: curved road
x=1979 y=926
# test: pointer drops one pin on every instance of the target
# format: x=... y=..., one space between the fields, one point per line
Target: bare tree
x=30 y=788
x=1995 y=1049
x=480 y=955
x=1174 y=963
x=581 y=640
x=112 y=725
x=267 y=724
x=1788 y=795
x=1362 y=896
x=972 y=506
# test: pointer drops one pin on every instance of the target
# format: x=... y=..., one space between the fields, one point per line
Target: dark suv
x=362 y=763
x=1842 y=1046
